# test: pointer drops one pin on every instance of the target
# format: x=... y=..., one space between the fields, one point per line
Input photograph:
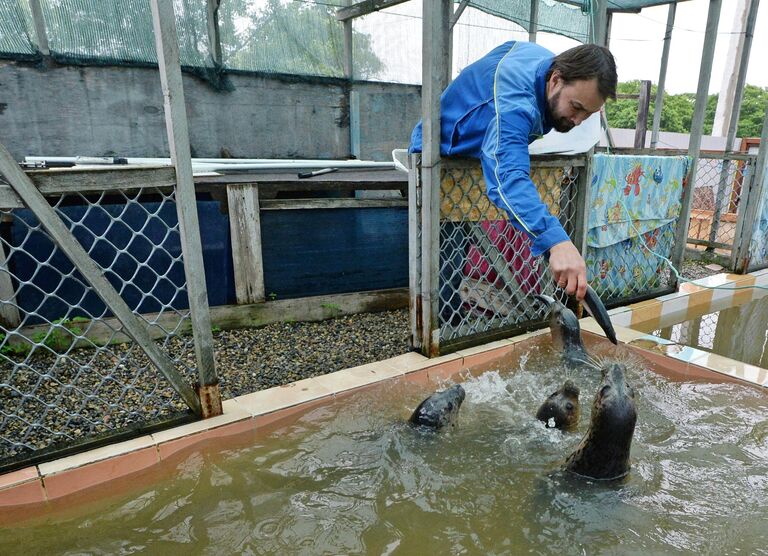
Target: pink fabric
x=514 y=246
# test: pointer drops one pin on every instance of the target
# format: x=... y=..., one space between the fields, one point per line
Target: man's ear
x=555 y=78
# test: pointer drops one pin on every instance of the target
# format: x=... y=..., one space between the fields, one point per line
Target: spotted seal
x=439 y=409
x=561 y=409
x=603 y=453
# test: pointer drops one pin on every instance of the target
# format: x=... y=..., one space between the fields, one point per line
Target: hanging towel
x=633 y=195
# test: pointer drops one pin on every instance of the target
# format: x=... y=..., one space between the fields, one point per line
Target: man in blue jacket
x=500 y=104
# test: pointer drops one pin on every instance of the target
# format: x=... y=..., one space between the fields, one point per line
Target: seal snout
x=440 y=409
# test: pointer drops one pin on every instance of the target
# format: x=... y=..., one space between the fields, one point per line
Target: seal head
x=440 y=409
x=561 y=408
x=603 y=453
x=566 y=332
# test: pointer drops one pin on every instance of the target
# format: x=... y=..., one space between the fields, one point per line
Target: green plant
x=215 y=329
x=272 y=296
x=331 y=307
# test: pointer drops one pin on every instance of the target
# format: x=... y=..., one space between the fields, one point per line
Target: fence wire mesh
x=66 y=374
x=716 y=203
x=487 y=272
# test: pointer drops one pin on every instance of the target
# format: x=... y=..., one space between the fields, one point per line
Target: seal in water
x=603 y=453
x=562 y=407
x=440 y=409
x=566 y=332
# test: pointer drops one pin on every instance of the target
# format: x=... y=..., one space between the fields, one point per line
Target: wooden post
x=214 y=35
x=643 y=104
x=41 y=37
x=697 y=127
x=245 y=229
x=93 y=273
x=434 y=61
x=658 y=105
x=414 y=249
x=9 y=309
x=167 y=44
x=348 y=47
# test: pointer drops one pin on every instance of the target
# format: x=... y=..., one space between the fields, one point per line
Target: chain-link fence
x=67 y=375
x=487 y=274
x=717 y=200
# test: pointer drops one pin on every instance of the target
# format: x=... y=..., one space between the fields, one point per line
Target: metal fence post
x=167 y=45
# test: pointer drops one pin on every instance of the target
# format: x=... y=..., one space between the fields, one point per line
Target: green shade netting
x=553 y=17
x=15 y=26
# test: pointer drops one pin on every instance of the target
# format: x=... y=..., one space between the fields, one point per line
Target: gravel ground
x=88 y=394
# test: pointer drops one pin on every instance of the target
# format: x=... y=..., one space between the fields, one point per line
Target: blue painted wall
x=306 y=252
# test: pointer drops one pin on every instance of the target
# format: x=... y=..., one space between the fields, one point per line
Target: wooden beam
x=214 y=32
x=310 y=204
x=457 y=14
x=167 y=45
x=93 y=274
x=364 y=8
x=9 y=309
x=434 y=53
x=643 y=105
x=41 y=37
x=245 y=230
x=303 y=309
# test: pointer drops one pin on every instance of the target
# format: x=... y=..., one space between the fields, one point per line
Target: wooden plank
x=110 y=179
x=9 y=309
x=414 y=249
x=94 y=274
x=310 y=204
x=360 y=179
x=365 y=7
x=245 y=229
x=167 y=46
x=305 y=309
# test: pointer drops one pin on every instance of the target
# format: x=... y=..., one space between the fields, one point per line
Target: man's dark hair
x=587 y=61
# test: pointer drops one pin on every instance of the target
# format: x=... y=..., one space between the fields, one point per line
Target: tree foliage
x=292 y=37
x=677 y=110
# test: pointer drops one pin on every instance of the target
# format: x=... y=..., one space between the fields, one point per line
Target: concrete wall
x=100 y=111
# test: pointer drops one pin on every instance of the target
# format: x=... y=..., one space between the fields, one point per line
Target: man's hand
x=568 y=268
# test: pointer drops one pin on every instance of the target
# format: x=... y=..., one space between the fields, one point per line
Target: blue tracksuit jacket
x=492 y=111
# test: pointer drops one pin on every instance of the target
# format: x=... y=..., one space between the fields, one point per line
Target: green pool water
x=351 y=478
x=739 y=333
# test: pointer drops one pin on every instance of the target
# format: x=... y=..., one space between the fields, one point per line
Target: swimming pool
x=347 y=475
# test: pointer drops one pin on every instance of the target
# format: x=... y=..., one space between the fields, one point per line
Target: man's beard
x=560 y=124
